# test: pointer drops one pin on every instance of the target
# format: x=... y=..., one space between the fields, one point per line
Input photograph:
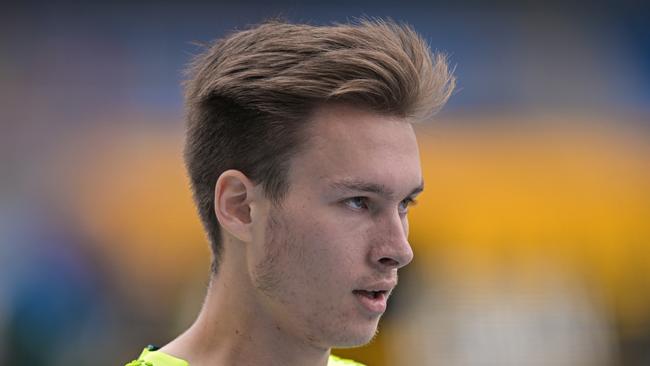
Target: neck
x=233 y=328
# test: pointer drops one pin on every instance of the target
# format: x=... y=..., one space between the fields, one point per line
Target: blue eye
x=357 y=203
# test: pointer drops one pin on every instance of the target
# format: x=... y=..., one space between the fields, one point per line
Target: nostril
x=388 y=262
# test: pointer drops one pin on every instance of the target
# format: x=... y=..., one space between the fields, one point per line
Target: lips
x=369 y=294
x=374 y=297
x=373 y=301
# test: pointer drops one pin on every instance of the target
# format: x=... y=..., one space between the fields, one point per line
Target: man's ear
x=233 y=195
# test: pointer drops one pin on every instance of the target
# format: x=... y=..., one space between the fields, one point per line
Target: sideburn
x=267 y=274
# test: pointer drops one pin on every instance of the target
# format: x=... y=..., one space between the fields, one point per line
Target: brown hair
x=249 y=95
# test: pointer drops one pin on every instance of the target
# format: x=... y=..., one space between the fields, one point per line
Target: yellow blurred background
x=531 y=239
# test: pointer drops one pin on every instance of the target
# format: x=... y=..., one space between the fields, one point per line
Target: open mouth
x=373 y=301
x=369 y=294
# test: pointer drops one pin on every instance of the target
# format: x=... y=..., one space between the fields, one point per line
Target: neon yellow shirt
x=151 y=357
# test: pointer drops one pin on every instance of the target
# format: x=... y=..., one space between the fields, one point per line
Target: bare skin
x=287 y=290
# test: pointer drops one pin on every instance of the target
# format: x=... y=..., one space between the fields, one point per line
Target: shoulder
x=337 y=361
x=151 y=357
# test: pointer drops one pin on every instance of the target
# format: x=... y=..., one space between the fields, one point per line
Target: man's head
x=300 y=147
x=249 y=97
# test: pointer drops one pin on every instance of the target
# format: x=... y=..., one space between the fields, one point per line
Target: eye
x=357 y=203
x=405 y=204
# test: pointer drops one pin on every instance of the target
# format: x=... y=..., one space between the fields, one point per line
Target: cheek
x=331 y=248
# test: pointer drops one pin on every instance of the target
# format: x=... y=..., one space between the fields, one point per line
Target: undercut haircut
x=249 y=96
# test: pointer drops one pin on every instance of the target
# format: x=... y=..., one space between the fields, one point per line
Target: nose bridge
x=394 y=249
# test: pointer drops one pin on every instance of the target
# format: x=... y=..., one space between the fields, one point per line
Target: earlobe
x=233 y=195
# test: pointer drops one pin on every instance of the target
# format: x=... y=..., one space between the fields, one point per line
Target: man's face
x=327 y=258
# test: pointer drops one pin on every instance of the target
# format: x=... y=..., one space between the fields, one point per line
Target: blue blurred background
x=532 y=240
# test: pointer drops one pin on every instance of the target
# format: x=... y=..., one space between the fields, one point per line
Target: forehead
x=346 y=143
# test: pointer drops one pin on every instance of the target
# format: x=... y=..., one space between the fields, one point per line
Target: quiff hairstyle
x=249 y=96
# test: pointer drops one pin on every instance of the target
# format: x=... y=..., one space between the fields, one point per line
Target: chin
x=357 y=337
x=354 y=343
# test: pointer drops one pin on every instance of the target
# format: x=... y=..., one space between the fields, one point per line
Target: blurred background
x=532 y=239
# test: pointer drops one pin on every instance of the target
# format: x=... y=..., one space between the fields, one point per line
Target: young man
x=303 y=163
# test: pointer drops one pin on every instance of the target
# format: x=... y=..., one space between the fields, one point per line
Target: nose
x=392 y=249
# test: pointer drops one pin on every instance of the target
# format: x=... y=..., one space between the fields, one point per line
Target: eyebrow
x=379 y=189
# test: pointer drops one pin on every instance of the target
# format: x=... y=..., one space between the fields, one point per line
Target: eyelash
x=407 y=202
x=352 y=199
